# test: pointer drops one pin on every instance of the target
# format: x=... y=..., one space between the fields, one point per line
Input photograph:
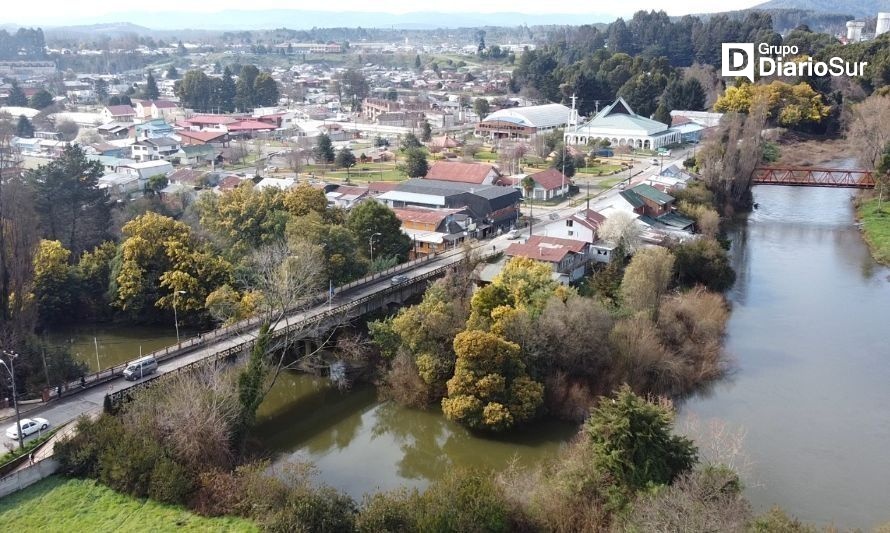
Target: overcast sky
x=17 y=11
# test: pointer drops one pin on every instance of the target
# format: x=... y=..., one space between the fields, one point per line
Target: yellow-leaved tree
x=790 y=106
x=490 y=388
x=162 y=263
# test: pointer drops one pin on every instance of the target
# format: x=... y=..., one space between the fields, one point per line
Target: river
x=808 y=334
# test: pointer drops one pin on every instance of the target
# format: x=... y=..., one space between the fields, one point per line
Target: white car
x=29 y=426
x=514 y=234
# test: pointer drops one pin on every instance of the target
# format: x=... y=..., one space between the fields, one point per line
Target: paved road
x=92 y=399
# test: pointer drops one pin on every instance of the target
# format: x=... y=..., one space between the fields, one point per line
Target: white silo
x=883 y=24
x=854 y=31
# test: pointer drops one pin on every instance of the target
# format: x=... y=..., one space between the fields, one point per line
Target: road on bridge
x=91 y=400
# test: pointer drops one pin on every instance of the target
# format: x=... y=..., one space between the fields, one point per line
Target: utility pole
x=15 y=400
x=371 y=245
x=175 y=317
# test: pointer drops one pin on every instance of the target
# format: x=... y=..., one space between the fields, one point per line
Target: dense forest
x=25 y=43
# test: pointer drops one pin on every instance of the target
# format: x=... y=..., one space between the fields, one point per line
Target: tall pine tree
x=151 y=91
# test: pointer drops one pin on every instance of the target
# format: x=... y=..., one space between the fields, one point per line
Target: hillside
x=856 y=8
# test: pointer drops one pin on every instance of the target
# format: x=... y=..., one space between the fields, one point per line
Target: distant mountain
x=302 y=20
x=858 y=8
x=106 y=28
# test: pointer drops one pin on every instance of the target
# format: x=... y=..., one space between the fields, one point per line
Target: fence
x=113 y=399
x=192 y=343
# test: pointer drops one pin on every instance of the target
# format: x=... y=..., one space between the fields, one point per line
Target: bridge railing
x=114 y=398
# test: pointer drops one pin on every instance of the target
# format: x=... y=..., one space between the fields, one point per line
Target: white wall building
x=619 y=125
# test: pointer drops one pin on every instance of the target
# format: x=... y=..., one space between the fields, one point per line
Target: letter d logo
x=738 y=60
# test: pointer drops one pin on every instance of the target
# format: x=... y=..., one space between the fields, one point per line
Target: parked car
x=401 y=278
x=513 y=234
x=29 y=426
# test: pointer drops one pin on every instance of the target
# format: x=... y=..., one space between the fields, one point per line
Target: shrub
x=703 y=262
x=79 y=455
x=388 y=512
x=463 y=501
x=170 y=482
x=632 y=439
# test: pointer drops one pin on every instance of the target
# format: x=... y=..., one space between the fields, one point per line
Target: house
x=549 y=184
x=210 y=122
x=567 y=258
x=581 y=226
x=346 y=196
x=191 y=137
x=248 y=128
x=110 y=163
x=117 y=113
x=120 y=185
x=435 y=230
x=190 y=177
x=115 y=129
x=147 y=169
x=155 y=109
x=493 y=207
x=647 y=200
x=277 y=183
x=230 y=183
x=199 y=155
x=460 y=172
x=154 y=148
x=154 y=128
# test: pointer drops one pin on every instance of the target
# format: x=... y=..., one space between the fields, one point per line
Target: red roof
x=211 y=119
x=228 y=183
x=204 y=136
x=164 y=104
x=187 y=176
x=120 y=110
x=547 y=249
x=423 y=215
x=459 y=172
x=351 y=190
x=677 y=120
x=550 y=179
x=250 y=125
x=589 y=218
x=382 y=186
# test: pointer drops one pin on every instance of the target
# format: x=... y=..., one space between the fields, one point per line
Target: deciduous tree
x=647 y=279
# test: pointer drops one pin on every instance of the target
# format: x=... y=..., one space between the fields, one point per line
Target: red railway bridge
x=813 y=177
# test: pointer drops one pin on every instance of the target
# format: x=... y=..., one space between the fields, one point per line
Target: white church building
x=618 y=124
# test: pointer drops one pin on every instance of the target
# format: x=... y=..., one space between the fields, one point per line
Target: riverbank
x=875 y=228
x=60 y=504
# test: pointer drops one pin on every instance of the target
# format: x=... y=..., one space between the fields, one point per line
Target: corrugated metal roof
x=651 y=193
x=538 y=116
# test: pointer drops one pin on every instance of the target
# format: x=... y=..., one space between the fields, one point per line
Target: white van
x=140 y=367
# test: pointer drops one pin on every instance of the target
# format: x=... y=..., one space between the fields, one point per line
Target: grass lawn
x=61 y=504
x=599 y=170
x=876 y=225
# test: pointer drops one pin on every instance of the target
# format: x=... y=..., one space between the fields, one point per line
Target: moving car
x=513 y=234
x=401 y=278
x=140 y=367
x=29 y=426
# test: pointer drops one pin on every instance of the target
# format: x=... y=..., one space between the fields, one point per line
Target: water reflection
x=361 y=445
x=808 y=334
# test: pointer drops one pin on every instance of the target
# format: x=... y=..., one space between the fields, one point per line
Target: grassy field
x=876 y=224
x=60 y=504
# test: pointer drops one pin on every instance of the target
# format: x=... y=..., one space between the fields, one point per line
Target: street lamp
x=15 y=400
x=371 y=244
x=175 y=316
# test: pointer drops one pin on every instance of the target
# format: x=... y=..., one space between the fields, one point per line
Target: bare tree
x=868 y=129
x=205 y=401
x=18 y=241
x=622 y=230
